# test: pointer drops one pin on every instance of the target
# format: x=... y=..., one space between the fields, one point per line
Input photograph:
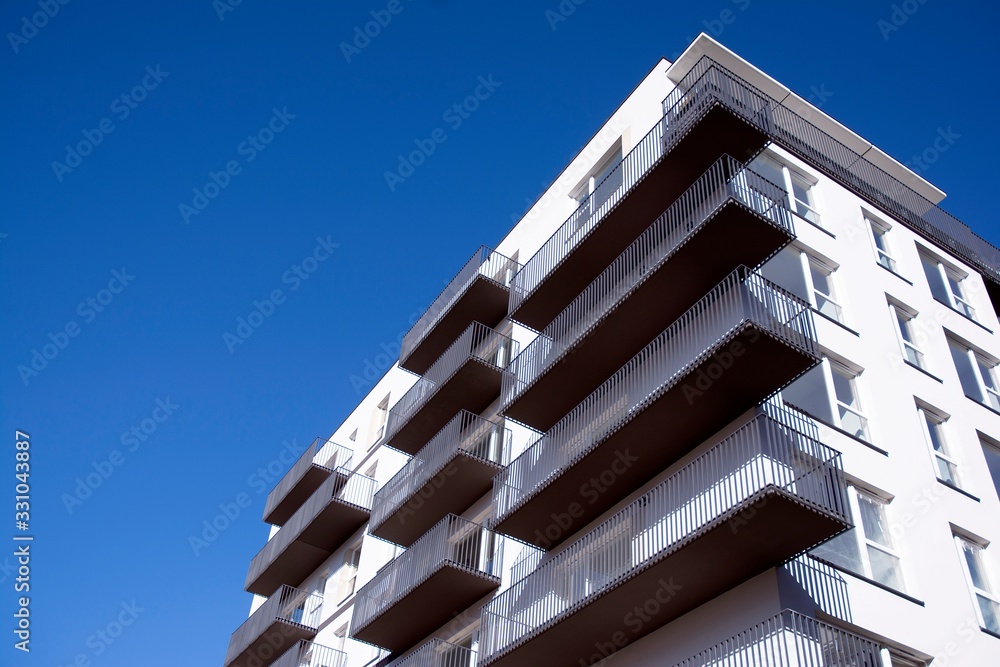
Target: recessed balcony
x=791 y=639
x=730 y=216
x=445 y=571
x=451 y=472
x=702 y=121
x=438 y=653
x=743 y=341
x=712 y=525
x=479 y=293
x=466 y=376
x=322 y=459
x=285 y=618
x=334 y=512
x=309 y=654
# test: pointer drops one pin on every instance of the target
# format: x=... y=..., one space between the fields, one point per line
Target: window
x=907 y=335
x=829 y=394
x=867 y=549
x=598 y=180
x=340 y=638
x=845 y=392
x=353 y=437
x=798 y=186
x=349 y=571
x=977 y=373
x=946 y=285
x=823 y=295
x=371 y=470
x=991 y=450
x=934 y=431
x=379 y=418
x=980 y=582
x=879 y=231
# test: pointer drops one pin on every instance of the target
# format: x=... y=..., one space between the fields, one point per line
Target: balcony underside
x=718 y=132
x=485 y=301
x=473 y=387
x=317 y=542
x=448 y=592
x=735 y=235
x=740 y=545
x=307 y=484
x=463 y=481
x=657 y=436
x=262 y=652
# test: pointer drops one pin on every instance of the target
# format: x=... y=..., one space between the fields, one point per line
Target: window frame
x=808 y=262
x=979 y=548
x=951 y=279
x=832 y=366
x=874 y=223
x=901 y=316
x=990 y=445
x=863 y=541
x=981 y=364
x=380 y=418
x=348 y=580
x=790 y=175
x=929 y=415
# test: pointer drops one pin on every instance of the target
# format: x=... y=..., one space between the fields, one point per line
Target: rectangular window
x=340 y=638
x=867 y=549
x=349 y=572
x=798 y=186
x=604 y=180
x=845 y=393
x=946 y=285
x=934 y=430
x=981 y=583
x=977 y=373
x=991 y=450
x=879 y=232
x=907 y=335
x=822 y=293
x=379 y=417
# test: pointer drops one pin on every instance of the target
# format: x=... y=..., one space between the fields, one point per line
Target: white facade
x=913 y=433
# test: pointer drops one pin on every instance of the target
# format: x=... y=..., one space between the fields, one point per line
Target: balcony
x=451 y=472
x=702 y=121
x=731 y=216
x=322 y=459
x=746 y=339
x=288 y=616
x=442 y=574
x=479 y=293
x=709 y=81
x=334 y=512
x=465 y=377
x=712 y=525
x=307 y=654
x=438 y=653
x=791 y=639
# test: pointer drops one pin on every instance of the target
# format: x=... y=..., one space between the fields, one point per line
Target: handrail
x=709 y=83
x=466 y=432
x=453 y=540
x=356 y=490
x=288 y=604
x=791 y=639
x=438 y=653
x=762 y=454
x=484 y=262
x=478 y=341
x=726 y=179
x=741 y=297
x=323 y=453
x=305 y=653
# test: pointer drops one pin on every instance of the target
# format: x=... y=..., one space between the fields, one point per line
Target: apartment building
x=728 y=394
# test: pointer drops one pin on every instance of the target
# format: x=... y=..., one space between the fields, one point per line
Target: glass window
x=824 y=296
x=798 y=187
x=946 y=285
x=907 y=336
x=867 y=549
x=934 y=429
x=882 y=255
x=379 y=418
x=845 y=390
x=349 y=572
x=977 y=374
x=992 y=453
x=983 y=590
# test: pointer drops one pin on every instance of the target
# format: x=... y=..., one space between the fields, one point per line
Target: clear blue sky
x=159 y=333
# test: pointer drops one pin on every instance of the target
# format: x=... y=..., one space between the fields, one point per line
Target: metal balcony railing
x=485 y=262
x=479 y=342
x=764 y=453
x=357 y=491
x=438 y=653
x=323 y=453
x=724 y=180
x=287 y=605
x=709 y=83
x=791 y=639
x=742 y=297
x=307 y=654
x=466 y=432
x=452 y=541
